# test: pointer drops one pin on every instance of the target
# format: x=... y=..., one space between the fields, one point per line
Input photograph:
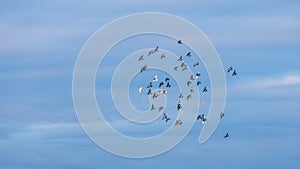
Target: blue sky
x=39 y=45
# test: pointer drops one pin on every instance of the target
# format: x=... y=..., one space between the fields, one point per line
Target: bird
x=143 y=68
x=196 y=64
x=152 y=107
x=229 y=69
x=156 y=49
x=180 y=59
x=192 y=77
x=162 y=56
x=165 y=117
x=188 y=54
x=234 y=73
x=202 y=117
x=155 y=79
x=181 y=95
x=161 y=84
x=205 y=89
x=167 y=79
x=188 y=83
x=175 y=68
x=141 y=58
x=198 y=83
x=188 y=97
x=227 y=135
x=149 y=85
x=179 y=42
x=178 y=122
x=168 y=85
x=140 y=89
x=160 y=92
x=150 y=52
x=192 y=90
x=198 y=75
x=221 y=115
x=160 y=108
x=185 y=68
x=165 y=92
x=183 y=65
x=155 y=96
x=149 y=92
x=178 y=106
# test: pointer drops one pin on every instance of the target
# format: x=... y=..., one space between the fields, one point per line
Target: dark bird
x=192 y=77
x=149 y=85
x=156 y=49
x=234 y=73
x=227 y=135
x=196 y=64
x=201 y=117
x=149 y=92
x=161 y=108
x=192 y=90
x=188 y=83
x=168 y=85
x=141 y=58
x=198 y=75
x=180 y=59
x=167 y=79
x=150 y=52
x=181 y=95
x=165 y=117
x=155 y=96
x=188 y=54
x=185 y=68
x=221 y=115
x=205 y=89
x=162 y=56
x=143 y=68
x=183 y=65
x=161 y=84
x=179 y=42
x=178 y=106
x=152 y=107
x=188 y=97
x=198 y=83
x=178 y=122
x=229 y=69
x=175 y=68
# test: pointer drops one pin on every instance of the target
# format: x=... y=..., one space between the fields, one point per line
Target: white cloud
x=286 y=80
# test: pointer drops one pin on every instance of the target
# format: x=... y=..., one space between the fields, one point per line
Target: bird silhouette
x=160 y=108
x=178 y=122
x=143 y=68
x=152 y=107
x=188 y=97
x=181 y=95
x=140 y=89
x=167 y=79
x=198 y=83
x=198 y=75
x=188 y=54
x=149 y=92
x=155 y=79
x=205 y=89
x=188 y=83
x=175 y=68
x=196 y=64
x=179 y=42
x=149 y=85
x=192 y=77
x=180 y=59
x=178 y=106
x=234 y=73
x=221 y=115
x=168 y=85
x=229 y=69
x=161 y=84
x=141 y=58
x=162 y=56
x=156 y=49
x=150 y=52
x=227 y=135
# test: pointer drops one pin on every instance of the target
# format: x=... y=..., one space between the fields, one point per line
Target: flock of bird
x=165 y=84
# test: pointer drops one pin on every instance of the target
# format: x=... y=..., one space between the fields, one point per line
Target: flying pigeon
x=229 y=69
x=227 y=135
x=221 y=115
x=192 y=77
x=149 y=85
x=179 y=42
x=168 y=85
x=180 y=59
x=188 y=97
x=143 y=68
x=161 y=84
x=140 y=89
x=198 y=75
x=175 y=68
x=205 y=89
x=181 y=95
x=152 y=107
x=141 y=58
x=198 y=83
x=178 y=106
x=167 y=79
x=234 y=73
x=149 y=92
x=196 y=64
x=178 y=122
x=188 y=54
x=162 y=56
x=155 y=79
x=161 y=108
x=188 y=83
x=156 y=49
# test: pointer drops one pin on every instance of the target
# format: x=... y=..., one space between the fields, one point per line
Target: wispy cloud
x=287 y=80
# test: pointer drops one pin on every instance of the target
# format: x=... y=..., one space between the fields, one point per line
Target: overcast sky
x=40 y=42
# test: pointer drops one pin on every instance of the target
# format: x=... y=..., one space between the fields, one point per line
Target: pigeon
x=185 y=68
x=155 y=96
x=140 y=89
x=205 y=89
x=165 y=117
x=167 y=79
x=198 y=83
x=188 y=83
x=141 y=58
x=160 y=108
x=227 y=135
x=161 y=84
x=162 y=56
x=143 y=68
x=198 y=75
x=181 y=95
x=168 y=85
x=152 y=107
x=229 y=69
x=234 y=73
x=175 y=68
x=188 y=54
x=155 y=79
x=202 y=117
x=192 y=77
x=192 y=90
x=179 y=42
x=183 y=65
x=149 y=85
x=160 y=92
x=178 y=106
x=196 y=64
x=165 y=92
x=221 y=115
x=149 y=92
x=178 y=122
x=188 y=97
x=180 y=59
